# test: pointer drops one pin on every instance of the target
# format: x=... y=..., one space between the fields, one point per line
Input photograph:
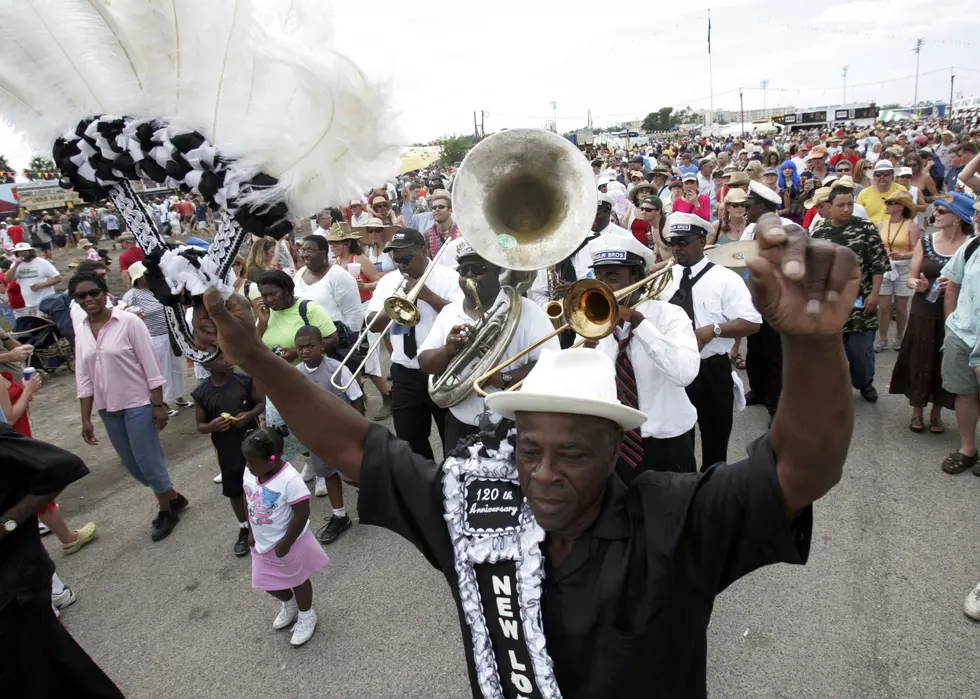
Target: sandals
x=957 y=462
x=916 y=424
x=936 y=425
x=738 y=361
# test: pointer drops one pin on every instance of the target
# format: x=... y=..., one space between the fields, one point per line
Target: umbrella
x=418 y=157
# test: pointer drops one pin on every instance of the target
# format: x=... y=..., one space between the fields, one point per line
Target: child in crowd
x=228 y=393
x=285 y=554
x=318 y=368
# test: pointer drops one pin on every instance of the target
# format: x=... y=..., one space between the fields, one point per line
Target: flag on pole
x=709 y=31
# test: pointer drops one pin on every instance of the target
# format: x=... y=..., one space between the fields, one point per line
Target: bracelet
x=158 y=405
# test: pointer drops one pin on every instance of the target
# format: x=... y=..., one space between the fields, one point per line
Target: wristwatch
x=8 y=525
x=507 y=378
x=716 y=329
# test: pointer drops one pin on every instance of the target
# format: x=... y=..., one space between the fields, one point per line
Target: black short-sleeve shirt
x=626 y=613
x=234 y=396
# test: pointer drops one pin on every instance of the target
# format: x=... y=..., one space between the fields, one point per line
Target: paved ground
x=876 y=613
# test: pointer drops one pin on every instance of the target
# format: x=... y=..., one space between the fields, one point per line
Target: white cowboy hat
x=136 y=271
x=578 y=381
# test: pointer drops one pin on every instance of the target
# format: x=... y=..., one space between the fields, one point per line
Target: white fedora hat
x=579 y=381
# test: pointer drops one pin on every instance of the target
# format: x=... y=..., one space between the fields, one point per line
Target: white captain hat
x=679 y=225
x=617 y=249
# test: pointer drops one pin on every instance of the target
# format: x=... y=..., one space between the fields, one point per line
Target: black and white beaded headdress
x=242 y=102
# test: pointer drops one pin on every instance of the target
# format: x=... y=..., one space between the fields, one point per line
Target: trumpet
x=591 y=310
x=401 y=309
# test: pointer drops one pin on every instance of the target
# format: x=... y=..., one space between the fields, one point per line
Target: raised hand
x=228 y=325
x=801 y=286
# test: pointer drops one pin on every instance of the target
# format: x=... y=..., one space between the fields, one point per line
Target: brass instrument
x=592 y=310
x=401 y=309
x=553 y=308
x=523 y=199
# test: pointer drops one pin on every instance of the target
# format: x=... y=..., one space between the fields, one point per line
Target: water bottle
x=933 y=292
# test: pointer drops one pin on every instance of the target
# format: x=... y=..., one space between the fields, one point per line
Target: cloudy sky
x=512 y=58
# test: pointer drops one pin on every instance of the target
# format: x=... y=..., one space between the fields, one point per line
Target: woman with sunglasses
x=732 y=223
x=860 y=174
x=917 y=372
x=921 y=179
x=117 y=372
x=651 y=212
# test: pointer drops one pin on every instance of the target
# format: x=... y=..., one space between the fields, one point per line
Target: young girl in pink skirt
x=285 y=554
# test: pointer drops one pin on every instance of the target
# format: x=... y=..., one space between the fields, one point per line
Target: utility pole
x=764 y=84
x=476 y=131
x=483 y=115
x=951 y=79
x=843 y=74
x=741 y=110
x=554 y=115
x=917 y=49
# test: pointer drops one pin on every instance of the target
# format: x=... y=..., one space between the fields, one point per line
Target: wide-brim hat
x=341 y=231
x=578 y=381
x=375 y=222
x=23 y=247
x=634 y=194
x=959 y=204
x=819 y=197
x=904 y=198
x=136 y=270
x=736 y=196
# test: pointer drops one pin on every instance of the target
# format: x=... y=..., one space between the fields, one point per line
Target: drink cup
x=29 y=373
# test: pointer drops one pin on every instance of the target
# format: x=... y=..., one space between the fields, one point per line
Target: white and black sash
x=500 y=566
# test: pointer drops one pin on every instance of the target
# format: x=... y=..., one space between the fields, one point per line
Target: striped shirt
x=153 y=313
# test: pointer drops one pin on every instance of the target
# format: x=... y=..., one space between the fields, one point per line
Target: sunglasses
x=843 y=169
x=92 y=294
x=375 y=230
x=472 y=269
x=439 y=207
x=648 y=209
x=740 y=205
x=882 y=175
x=681 y=242
x=406 y=260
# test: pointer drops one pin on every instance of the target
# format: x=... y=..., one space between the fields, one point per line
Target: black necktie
x=686 y=294
x=411 y=348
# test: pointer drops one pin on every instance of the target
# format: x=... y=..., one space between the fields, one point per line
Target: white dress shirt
x=665 y=358
x=336 y=293
x=533 y=325
x=720 y=296
x=360 y=220
x=443 y=282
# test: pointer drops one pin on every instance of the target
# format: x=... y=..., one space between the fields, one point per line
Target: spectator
x=900 y=235
x=35 y=276
x=873 y=198
x=131 y=254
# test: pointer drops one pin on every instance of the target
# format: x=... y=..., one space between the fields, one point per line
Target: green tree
x=40 y=163
x=455 y=148
x=660 y=120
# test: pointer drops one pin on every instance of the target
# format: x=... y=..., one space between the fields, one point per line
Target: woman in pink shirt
x=117 y=370
x=690 y=201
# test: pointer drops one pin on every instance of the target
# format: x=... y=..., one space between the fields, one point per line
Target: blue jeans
x=137 y=441
x=860 y=350
x=7 y=312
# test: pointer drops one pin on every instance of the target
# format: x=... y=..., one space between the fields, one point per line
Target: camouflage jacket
x=863 y=237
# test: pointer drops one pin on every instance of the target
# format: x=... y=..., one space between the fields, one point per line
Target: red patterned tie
x=632 y=451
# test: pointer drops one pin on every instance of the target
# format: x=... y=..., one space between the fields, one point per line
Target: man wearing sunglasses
x=884 y=185
x=413 y=412
x=454 y=331
x=719 y=305
x=443 y=229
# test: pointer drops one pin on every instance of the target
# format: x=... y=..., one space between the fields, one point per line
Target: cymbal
x=733 y=255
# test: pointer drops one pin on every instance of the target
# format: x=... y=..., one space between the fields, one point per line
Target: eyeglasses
x=882 y=175
x=740 y=205
x=402 y=261
x=439 y=207
x=648 y=209
x=375 y=230
x=681 y=242
x=472 y=269
x=91 y=294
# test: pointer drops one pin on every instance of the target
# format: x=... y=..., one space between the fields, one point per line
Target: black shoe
x=870 y=394
x=179 y=503
x=751 y=398
x=333 y=529
x=163 y=524
x=241 y=546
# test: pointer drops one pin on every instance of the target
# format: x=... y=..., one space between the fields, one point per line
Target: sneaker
x=217 y=479
x=971 y=607
x=288 y=611
x=321 y=487
x=303 y=629
x=385 y=411
x=82 y=536
x=241 y=544
x=880 y=344
x=183 y=403
x=163 y=524
x=66 y=598
x=173 y=412
x=334 y=527
x=897 y=344
x=308 y=474
x=870 y=394
x=179 y=503
x=42 y=528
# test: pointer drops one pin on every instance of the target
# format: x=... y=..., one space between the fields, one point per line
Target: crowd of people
x=901 y=198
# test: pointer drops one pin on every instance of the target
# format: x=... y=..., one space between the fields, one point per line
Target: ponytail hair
x=266 y=442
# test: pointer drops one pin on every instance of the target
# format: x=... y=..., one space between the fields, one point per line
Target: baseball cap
x=404 y=238
x=689 y=177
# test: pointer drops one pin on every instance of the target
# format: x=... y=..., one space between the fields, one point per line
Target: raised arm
x=805 y=289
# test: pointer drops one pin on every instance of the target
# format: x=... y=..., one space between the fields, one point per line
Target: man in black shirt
x=39 y=658
x=616 y=600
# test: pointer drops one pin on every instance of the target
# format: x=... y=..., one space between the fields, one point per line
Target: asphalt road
x=876 y=613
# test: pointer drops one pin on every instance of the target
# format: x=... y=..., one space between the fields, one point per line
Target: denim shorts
x=137 y=441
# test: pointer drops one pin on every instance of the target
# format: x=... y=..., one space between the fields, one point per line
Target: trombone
x=591 y=309
x=401 y=309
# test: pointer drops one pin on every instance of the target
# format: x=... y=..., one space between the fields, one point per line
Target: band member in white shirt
x=719 y=305
x=413 y=412
x=656 y=356
x=453 y=331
